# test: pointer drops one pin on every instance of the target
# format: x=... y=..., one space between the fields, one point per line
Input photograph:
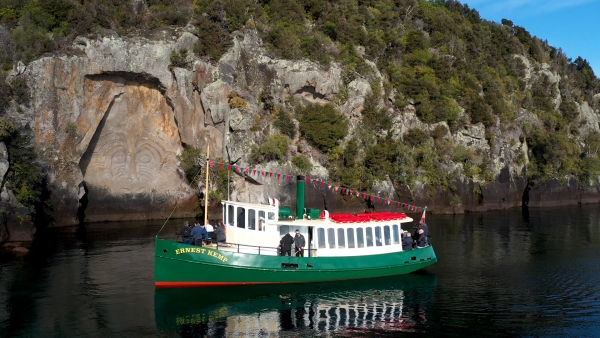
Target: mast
x=206 y=186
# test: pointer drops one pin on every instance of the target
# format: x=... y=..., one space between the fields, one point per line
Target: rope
x=176 y=204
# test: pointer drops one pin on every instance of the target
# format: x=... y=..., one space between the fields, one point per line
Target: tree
x=322 y=126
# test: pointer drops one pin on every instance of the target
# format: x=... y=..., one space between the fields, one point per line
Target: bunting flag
x=321 y=184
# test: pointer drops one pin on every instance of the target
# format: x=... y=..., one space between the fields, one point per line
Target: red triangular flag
x=307 y=179
x=270 y=174
x=211 y=163
x=229 y=167
x=287 y=177
x=220 y=165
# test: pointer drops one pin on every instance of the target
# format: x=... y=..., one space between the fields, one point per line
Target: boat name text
x=202 y=251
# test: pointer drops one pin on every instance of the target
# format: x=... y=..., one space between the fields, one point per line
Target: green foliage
x=375 y=119
x=284 y=123
x=217 y=184
x=71 y=128
x=302 y=163
x=191 y=161
x=415 y=137
x=7 y=129
x=275 y=148
x=179 y=58
x=24 y=176
x=20 y=90
x=322 y=126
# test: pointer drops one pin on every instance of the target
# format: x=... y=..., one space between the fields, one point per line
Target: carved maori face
x=135 y=149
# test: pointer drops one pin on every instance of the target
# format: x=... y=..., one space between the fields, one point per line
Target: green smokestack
x=300 y=197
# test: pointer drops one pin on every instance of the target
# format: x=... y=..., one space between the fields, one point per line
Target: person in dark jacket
x=299 y=244
x=185 y=233
x=286 y=244
x=422 y=240
x=407 y=242
x=198 y=233
x=220 y=233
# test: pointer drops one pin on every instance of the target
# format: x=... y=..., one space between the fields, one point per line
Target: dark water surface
x=499 y=274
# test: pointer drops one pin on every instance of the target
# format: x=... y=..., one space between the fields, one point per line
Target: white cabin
x=343 y=236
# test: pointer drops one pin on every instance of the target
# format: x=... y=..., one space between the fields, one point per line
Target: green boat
x=338 y=247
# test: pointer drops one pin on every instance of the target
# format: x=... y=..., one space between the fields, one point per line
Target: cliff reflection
x=351 y=308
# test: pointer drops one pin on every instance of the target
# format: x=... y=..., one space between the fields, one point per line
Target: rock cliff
x=110 y=118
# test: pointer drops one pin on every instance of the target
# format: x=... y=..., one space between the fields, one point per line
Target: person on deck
x=220 y=233
x=286 y=244
x=198 y=233
x=299 y=243
x=185 y=233
x=423 y=226
x=209 y=231
x=407 y=242
x=422 y=239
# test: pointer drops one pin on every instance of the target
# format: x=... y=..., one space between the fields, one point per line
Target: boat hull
x=181 y=265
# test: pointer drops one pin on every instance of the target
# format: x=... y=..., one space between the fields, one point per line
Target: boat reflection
x=349 y=308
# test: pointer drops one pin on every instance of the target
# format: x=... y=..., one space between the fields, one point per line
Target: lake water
x=509 y=273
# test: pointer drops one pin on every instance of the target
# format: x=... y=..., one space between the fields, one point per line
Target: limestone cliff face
x=110 y=118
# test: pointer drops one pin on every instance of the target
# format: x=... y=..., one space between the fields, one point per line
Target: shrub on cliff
x=284 y=123
x=322 y=126
x=275 y=148
x=302 y=163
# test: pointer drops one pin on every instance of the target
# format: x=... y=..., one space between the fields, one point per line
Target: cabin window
x=230 y=214
x=386 y=235
x=271 y=216
x=350 y=238
x=369 y=236
x=261 y=222
x=360 y=238
x=284 y=229
x=396 y=234
x=378 y=240
x=251 y=219
x=341 y=239
x=331 y=237
x=241 y=217
x=321 y=238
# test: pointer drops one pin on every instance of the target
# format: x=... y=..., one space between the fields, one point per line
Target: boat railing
x=247 y=248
